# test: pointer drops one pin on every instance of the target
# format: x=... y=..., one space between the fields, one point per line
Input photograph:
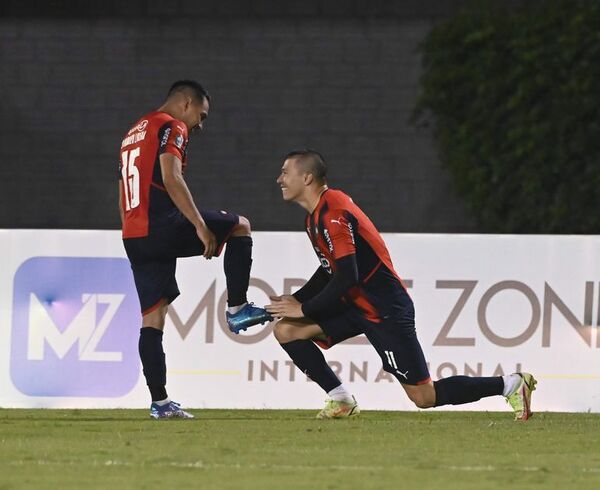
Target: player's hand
x=285 y=306
x=279 y=298
x=208 y=239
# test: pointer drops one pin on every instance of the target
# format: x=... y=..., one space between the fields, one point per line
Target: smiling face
x=292 y=180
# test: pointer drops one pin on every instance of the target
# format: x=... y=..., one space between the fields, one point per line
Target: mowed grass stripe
x=240 y=466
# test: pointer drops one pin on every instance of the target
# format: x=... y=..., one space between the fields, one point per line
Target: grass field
x=288 y=449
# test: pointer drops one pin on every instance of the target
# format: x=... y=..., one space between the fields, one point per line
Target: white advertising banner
x=485 y=305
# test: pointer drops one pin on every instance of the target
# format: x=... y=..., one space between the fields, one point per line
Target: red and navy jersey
x=146 y=203
x=338 y=228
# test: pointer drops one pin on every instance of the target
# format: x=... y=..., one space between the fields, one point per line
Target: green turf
x=287 y=449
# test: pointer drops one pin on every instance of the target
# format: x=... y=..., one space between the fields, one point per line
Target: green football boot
x=339 y=410
x=520 y=400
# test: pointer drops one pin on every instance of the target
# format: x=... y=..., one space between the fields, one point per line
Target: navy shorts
x=154 y=257
x=394 y=339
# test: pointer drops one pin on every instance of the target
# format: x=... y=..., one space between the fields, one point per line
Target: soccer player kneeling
x=356 y=291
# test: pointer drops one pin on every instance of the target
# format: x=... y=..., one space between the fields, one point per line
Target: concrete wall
x=337 y=76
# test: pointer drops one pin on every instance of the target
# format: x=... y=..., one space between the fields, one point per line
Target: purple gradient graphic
x=75 y=327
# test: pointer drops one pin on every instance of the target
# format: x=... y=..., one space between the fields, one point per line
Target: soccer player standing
x=161 y=223
x=357 y=291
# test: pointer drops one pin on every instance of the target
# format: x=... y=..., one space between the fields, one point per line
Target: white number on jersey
x=391 y=359
x=131 y=178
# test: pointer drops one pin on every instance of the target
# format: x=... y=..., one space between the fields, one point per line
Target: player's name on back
x=134 y=138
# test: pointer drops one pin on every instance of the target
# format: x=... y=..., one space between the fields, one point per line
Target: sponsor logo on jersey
x=165 y=137
x=140 y=127
x=328 y=239
x=74 y=327
x=179 y=141
x=324 y=262
x=351 y=229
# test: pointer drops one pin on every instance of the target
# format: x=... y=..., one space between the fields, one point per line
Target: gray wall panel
x=342 y=80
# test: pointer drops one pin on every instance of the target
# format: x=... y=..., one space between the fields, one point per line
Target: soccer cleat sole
x=243 y=329
x=343 y=412
x=352 y=414
x=156 y=417
x=527 y=413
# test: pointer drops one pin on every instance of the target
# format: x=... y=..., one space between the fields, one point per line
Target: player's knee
x=154 y=321
x=422 y=400
x=422 y=396
x=284 y=332
x=281 y=332
x=156 y=318
x=243 y=227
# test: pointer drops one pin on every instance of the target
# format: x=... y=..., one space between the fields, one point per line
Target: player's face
x=197 y=114
x=291 y=180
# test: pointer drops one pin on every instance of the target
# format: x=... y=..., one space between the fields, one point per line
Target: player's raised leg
x=237 y=263
x=154 y=365
x=295 y=337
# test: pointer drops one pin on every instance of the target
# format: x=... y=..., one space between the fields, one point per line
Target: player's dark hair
x=189 y=86
x=312 y=162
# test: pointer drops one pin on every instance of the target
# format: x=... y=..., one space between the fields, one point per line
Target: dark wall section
x=320 y=74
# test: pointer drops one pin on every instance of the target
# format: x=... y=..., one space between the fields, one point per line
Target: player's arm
x=344 y=278
x=340 y=230
x=328 y=297
x=345 y=274
x=342 y=248
x=172 y=176
x=121 y=211
x=313 y=286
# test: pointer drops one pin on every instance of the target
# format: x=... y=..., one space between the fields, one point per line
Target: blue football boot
x=171 y=410
x=249 y=315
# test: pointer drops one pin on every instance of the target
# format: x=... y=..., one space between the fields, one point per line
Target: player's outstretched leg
x=457 y=390
x=237 y=263
x=520 y=398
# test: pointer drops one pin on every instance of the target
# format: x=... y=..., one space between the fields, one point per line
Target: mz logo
x=75 y=324
x=82 y=329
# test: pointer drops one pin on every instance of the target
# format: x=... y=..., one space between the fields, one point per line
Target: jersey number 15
x=131 y=178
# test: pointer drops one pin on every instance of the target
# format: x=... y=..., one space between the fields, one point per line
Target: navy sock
x=457 y=390
x=153 y=362
x=309 y=359
x=237 y=263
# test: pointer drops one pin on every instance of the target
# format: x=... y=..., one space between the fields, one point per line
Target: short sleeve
x=339 y=233
x=173 y=138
